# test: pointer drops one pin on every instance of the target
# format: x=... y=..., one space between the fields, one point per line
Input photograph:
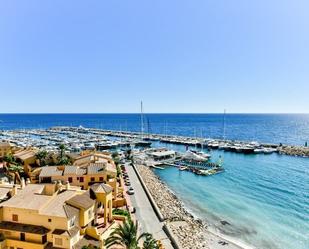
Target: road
x=145 y=214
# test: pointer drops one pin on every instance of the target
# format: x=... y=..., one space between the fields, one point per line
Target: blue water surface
x=272 y=128
x=264 y=198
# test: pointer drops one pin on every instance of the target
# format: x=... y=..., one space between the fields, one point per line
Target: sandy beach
x=190 y=232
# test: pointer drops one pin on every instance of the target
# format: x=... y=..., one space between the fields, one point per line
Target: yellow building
x=5 y=148
x=78 y=176
x=46 y=216
x=96 y=157
x=26 y=156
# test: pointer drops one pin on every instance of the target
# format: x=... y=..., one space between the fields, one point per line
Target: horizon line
x=227 y=113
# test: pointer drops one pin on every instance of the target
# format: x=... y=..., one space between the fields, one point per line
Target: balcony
x=23 y=244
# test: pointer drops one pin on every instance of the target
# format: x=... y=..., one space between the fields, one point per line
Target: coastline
x=189 y=231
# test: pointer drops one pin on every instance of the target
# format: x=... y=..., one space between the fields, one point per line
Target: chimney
x=14 y=190
x=67 y=185
x=22 y=183
x=28 y=181
x=58 y=185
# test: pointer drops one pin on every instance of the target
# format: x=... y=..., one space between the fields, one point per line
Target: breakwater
x=294 y=150
x=190 y=232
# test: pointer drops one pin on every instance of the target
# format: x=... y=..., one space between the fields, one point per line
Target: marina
x=78 y=138
x=208 y=175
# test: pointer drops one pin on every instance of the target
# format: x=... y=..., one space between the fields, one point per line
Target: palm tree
x=125 y=235
x=16 y=170
x=11 y=166
x=62 y=149
x=150 y=243
x=41 y=156
x=9 y=158
x=63 y=159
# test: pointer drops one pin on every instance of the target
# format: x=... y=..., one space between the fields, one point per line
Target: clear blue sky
x=175 y=55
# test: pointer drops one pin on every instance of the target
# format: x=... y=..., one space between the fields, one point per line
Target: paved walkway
x=144 y=212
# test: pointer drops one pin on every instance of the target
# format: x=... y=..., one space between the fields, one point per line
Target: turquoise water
x=263 y=197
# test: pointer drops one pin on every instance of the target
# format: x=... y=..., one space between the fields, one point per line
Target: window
x=72 y=221
x=15 y=217
x=89 y=213
x=101 y=179
x=92 y=179
x=22 y=237
x=81 y=179
x=70 y=179
x=58 y=241
x=49 y=220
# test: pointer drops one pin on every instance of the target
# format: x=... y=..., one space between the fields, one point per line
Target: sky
x=197 y=56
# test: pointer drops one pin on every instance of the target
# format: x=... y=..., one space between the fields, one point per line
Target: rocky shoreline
x=190 y=232
x=294 y=150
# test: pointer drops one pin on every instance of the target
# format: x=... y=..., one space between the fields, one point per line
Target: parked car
x=132 y=210
x=127 y=183
x=130 y=192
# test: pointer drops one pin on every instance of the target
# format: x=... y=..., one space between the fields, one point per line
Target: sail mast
x=224 y=124
x=142 y=120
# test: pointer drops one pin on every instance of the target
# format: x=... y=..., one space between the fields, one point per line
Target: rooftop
x=57 y=207
x=28 y=198
x=32 y=197
x=93 y=168
x=48 y=171
x=101 y=188
x=25 y=154
x=5 y=144
x=70 y=233
x=81 y=201
x=74 y=170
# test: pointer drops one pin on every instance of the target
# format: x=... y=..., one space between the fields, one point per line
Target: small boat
x=269 y=150
x=201 y=153
x=247 y=149
x=258 y=151
x=182 y=168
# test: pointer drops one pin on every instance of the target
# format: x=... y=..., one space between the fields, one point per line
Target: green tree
x=115 y=155
x=125 y=235
x=9 y=158
x=150 y=243
x=16 y=169
x=129 y=154
x=41 y=156
x=63 y=159
x=62 y=149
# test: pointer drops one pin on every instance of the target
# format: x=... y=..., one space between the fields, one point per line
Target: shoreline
x=190 y=231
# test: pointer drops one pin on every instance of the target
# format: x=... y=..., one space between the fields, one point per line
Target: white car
x=130 y=191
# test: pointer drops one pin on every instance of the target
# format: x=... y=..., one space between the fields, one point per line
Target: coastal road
x=145 y=214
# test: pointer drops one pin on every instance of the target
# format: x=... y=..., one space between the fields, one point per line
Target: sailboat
x=141 y=142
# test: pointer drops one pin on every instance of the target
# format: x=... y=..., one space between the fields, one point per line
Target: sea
x=260 y=200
